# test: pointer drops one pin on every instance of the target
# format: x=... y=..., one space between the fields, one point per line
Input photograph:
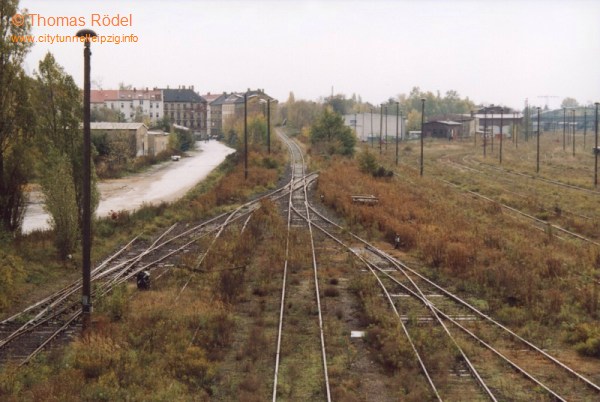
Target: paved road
x=165 y=182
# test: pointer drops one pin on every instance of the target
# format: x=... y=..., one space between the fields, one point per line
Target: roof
x=99 y=96
x=157 y=132
x=446 y=122
x=178 y=127
x=505 y=116
x=234 y=98
x=219 y=100
x=182 y=95
x=211 y=97
x=105 y=125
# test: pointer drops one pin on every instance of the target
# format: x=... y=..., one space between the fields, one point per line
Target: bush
x=331 y=291
x=367 y=162
x=115 y=304
x=12 y=273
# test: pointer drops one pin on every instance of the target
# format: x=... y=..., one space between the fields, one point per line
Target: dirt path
x=167 y=181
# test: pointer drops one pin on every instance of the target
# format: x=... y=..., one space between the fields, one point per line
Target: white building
x=148 y=103
x=369 y=125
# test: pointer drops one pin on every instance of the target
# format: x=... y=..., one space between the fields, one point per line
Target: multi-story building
x=186 y=108
x=214 y=112
x=233 y=105
x=134 y=104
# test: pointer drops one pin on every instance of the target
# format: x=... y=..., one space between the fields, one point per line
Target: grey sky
x=492 y=51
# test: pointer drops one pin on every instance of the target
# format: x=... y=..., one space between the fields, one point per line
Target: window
x=122 y=106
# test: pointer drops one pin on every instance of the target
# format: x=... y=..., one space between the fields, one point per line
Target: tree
x=16 y=119
x=569 y=102
x=329 y=134
x=60 y=202
x=58 y=103
x=106 y=114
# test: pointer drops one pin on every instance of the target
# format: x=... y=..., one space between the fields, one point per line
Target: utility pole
x=492 y=133
x=380 y=129
x=564 y=128
x=397 y=121
x=573 y=111
x=501 y=133
x=484 y=133
x=269 y=126
x=246 y=135
x=584 y=125
x=423 y=132
x=386 y=124
x=537 y=170
x=596 y=148
x=372 y=136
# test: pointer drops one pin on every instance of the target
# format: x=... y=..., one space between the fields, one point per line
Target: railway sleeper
x=427 y=319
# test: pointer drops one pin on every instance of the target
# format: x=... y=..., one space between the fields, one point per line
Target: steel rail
x=473 y=309
x=291 y=144
x=425 y=301
x=384 y=289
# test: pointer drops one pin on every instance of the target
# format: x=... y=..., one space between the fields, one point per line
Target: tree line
x=301 y=114
x=40 y=137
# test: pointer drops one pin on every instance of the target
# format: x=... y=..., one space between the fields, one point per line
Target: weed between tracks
x=217 y=340
x=528 y=279
x=160 y=345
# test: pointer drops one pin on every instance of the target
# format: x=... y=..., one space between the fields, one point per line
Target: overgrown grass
x=224 y=188
x=528 y=279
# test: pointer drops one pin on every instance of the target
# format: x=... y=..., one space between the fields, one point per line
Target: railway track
x=483 y=347
x=297 y=203
x=56 y=319
x=540 y=224
x=533 y=177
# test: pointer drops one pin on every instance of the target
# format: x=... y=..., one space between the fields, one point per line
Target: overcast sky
x=499 y=52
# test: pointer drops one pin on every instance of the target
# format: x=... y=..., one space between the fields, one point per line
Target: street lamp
x=86 y=36
x=537 y=170
x=397 y=121
x=422 y=133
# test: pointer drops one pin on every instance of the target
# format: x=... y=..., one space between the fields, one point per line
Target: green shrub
x=12 y=272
